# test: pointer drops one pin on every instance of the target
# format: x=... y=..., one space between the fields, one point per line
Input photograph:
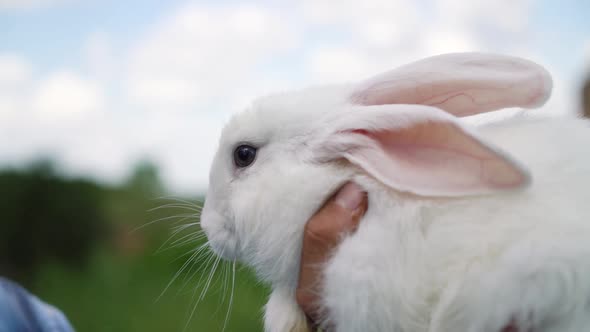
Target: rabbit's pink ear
x=421 y=150
x=462 y=84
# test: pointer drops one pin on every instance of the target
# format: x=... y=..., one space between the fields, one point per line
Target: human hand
x=323 y=232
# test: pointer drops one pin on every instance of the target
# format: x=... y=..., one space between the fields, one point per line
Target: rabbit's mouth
x=221 y=237
x=224 y=245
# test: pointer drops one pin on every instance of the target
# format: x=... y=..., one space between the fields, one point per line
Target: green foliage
x=145 y=179
x=124 y=295
x=93 y=251
x=46 y=217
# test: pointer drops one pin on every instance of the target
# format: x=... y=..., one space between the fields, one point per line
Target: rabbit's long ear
x=421 y=150
x=461 y=83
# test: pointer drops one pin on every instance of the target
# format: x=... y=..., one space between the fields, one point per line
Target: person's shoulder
x=22 y=311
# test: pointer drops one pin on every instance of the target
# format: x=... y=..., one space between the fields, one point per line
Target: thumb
x=340 y=214
x=323 y=232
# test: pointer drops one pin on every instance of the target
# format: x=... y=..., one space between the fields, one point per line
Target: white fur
x=416 y=263
x=473 y=264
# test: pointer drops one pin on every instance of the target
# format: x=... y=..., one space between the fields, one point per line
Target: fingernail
x=350 y=196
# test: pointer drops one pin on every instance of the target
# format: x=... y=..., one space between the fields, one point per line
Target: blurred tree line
x=46 y=217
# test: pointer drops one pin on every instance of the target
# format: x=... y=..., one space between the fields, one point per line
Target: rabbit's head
x=279 y=160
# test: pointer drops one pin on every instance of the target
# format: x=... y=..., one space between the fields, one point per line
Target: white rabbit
x=468 y=228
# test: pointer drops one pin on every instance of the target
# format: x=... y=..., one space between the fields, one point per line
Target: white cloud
x=100 y=57
x=334 y=64
x=203 y=53
x=376 y=23
x=15 y=76
x=58 y=94
x=67 y=94
x=447 y=39
x=382 y=34
x=13 y=70
x=47 y=116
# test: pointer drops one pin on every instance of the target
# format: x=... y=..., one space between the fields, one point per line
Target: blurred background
x=108 y=109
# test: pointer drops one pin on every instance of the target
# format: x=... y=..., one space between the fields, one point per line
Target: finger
x=339 y=215
x=323 y=232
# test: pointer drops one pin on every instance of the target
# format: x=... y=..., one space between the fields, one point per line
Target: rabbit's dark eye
x=244 y=155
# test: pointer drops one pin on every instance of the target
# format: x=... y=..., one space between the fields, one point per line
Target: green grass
x=123 y=294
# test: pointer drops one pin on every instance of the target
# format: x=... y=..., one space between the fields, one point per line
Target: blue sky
x=100 y=84
x=53 y=35
x=50 y=34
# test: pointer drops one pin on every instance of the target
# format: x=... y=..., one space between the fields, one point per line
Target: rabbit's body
x=475 y=229
x=478 y=262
